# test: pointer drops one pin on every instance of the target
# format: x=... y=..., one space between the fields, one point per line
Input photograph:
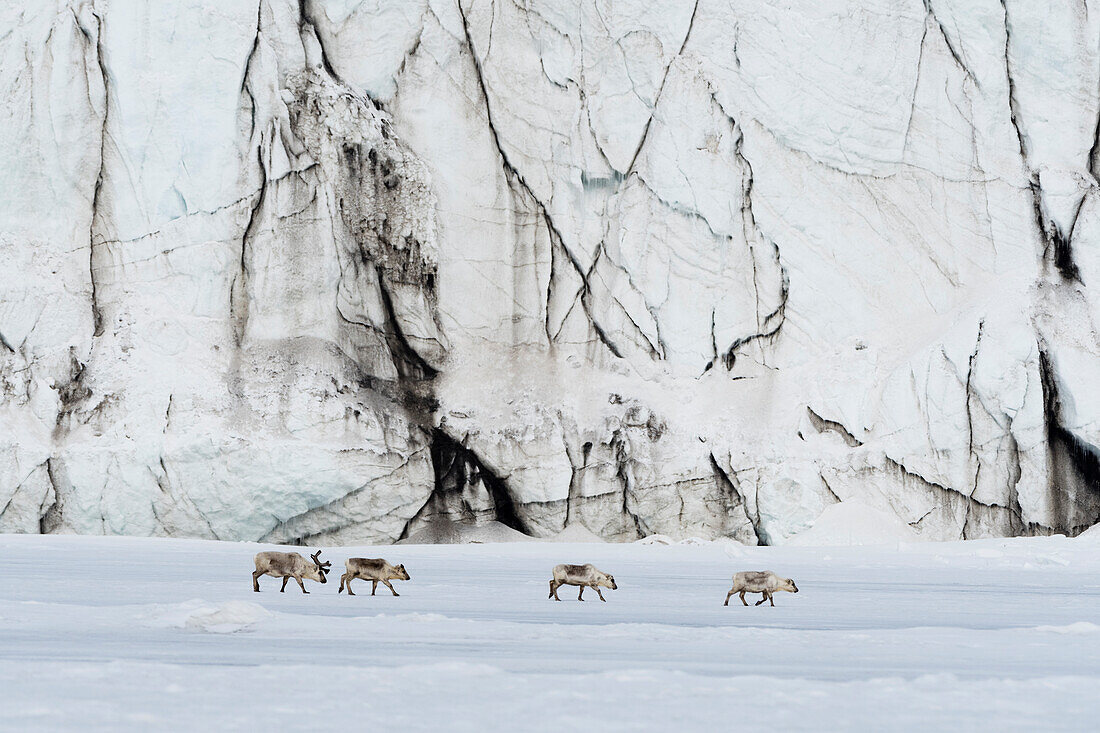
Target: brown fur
x=376 y=570
x=586 y=576
x=287 y=565
x=764 y=582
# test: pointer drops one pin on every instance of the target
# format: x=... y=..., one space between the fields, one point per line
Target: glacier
x=349 y=272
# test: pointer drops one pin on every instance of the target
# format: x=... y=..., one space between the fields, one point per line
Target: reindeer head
x=788 y=585
x=404 y=573
x=610 y=583
x=322 y=567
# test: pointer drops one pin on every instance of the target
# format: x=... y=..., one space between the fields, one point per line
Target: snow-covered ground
x=122 y=633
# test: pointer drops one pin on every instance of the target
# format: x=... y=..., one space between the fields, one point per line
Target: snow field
x=125 y=634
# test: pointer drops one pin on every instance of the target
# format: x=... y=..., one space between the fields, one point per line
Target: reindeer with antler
x=287 y=565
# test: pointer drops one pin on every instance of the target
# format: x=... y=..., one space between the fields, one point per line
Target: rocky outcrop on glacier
x=352 y=272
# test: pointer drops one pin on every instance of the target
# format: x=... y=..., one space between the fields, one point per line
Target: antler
x=315 y=557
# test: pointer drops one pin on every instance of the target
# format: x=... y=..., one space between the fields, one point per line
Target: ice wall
x=352 y=270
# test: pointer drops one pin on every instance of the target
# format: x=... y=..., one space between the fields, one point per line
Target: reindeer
x=586 y=576
x=760 y=581
x=375 y=570
x=287 y=565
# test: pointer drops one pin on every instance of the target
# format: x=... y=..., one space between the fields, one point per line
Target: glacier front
x=355 y=271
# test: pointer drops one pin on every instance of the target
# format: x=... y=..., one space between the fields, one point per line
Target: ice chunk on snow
x=198 y=615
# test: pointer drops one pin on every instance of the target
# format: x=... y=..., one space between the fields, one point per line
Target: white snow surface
x=139 y=634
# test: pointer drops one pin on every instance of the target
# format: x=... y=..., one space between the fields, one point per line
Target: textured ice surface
x=354 y=271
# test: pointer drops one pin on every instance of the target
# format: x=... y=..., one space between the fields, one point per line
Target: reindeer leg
x=391 y=588
x=600 y=594
x=373 y=586
x=580 y=596
x=285 y=579
x=256 y=580
x=554 y=585
x=551 y=591
x=771 y=600
x=350 y=591
x=763 y=597
x=341 y=588
x=728 y=598
x=301 y=584
x=743 y=598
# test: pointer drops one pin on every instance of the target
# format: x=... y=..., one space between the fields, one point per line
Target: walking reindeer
x=287 y=565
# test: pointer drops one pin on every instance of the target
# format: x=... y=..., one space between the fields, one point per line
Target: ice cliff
x=351 y=271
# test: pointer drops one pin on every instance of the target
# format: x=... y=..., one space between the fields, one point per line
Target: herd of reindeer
x=287 y=565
